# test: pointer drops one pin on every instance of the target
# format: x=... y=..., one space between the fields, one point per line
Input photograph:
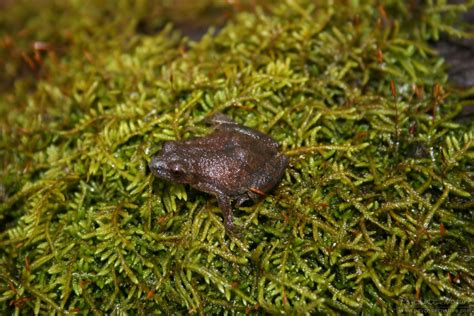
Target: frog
x=234 y=163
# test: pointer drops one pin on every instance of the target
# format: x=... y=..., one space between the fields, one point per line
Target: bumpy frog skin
x=234 y=163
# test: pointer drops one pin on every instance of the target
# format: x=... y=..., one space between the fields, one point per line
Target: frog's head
x=172 y=164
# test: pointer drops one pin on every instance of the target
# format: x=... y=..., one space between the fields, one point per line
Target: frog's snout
x=154 y=165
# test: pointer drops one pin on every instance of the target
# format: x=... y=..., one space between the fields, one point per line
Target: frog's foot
x=241 y=200
x=235 y=231
x=231 y=229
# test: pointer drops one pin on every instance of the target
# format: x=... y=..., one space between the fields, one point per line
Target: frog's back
x=233 y=162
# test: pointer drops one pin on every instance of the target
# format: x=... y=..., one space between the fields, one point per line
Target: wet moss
x=374 y=213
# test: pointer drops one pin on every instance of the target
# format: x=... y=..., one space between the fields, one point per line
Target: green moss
x=373 y=215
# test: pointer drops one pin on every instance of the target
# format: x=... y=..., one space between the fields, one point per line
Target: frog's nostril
x=156 y=165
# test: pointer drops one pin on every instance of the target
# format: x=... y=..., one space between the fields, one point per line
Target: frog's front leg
x=226 y=208
x=223 y=201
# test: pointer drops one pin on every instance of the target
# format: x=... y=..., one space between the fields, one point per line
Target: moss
x=373 y=215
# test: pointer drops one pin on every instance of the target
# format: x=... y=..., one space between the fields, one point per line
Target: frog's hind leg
x=273 y=172
x=222 y=122
x=219 y=118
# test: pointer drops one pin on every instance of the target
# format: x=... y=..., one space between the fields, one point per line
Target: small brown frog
x=233 y=163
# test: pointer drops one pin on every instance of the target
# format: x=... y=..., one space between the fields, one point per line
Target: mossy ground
x=375 y=211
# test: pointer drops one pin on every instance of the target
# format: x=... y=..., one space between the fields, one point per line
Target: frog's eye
x=177 y=169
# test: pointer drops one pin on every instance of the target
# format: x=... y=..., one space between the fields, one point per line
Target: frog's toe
x=235 y=231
